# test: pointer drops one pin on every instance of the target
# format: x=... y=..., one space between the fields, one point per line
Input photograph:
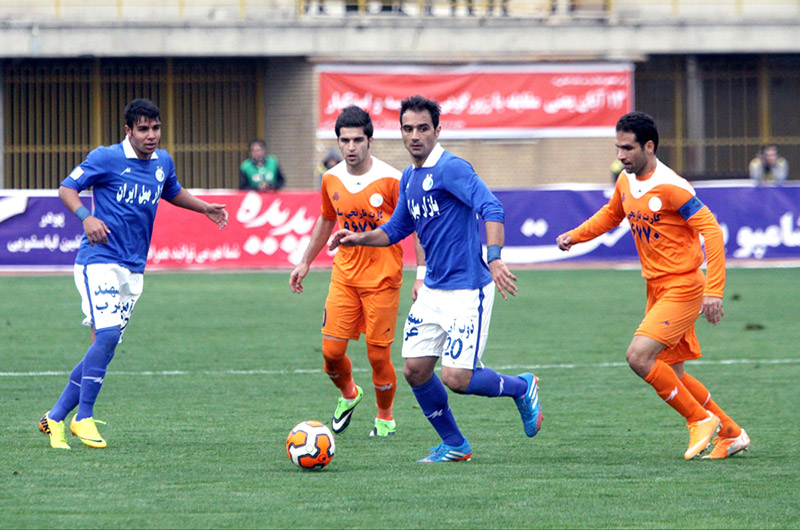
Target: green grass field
x=217 y=368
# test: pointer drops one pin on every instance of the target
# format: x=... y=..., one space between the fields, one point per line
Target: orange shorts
x=673 y=305
x=351 y=311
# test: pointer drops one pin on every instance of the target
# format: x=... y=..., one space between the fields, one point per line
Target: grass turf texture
x=204 y=447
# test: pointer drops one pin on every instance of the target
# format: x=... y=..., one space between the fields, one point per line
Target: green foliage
x=216 y=369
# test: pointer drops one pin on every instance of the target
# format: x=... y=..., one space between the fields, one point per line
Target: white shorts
x=108 y=294
x=451 y=324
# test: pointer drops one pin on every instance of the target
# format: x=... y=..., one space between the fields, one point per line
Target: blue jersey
x=443 y=199
x=126 y=194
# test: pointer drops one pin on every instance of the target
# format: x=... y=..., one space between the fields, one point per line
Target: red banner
x=552 y=100
x=264 y=230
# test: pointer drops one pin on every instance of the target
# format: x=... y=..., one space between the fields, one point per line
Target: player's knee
x=457 y=381
x=107 y=339
x=415 y=375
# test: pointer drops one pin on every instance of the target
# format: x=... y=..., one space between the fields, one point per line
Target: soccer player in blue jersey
x=441 y=198
x=127 y=179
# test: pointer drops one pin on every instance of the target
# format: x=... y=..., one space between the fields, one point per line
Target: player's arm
x=372 y=238
x=699 y=217
x=96 y=230
x=319 y=237
x=606 y=218
x=216 y=212
x=495 y=238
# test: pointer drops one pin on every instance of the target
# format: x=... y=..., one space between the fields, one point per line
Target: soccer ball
x=310 y=445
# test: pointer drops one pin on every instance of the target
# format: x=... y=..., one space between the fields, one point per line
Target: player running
x=440 y=195
x=360 y=193
x=666 y=217
x=128 y=180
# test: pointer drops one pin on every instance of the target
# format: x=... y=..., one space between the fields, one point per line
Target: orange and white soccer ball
x=310 y=445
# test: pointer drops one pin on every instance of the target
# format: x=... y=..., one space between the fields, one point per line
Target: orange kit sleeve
x=606 y=218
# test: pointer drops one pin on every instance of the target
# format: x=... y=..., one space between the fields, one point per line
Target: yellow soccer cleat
x=725 y=447
x=700 y=433
x=56 y=430
x=86 y=430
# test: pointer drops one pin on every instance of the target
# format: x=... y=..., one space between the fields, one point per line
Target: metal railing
x=244 y=9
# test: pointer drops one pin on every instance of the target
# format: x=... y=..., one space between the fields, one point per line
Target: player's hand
x=415 y=289
x=344 y=238
x=564 y=241
x=503 y=278
x=712 y=308
x=96 y=230
x=218 y=214
x=296 y=278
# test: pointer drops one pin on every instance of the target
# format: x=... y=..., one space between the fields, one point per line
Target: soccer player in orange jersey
x=666 y=219
x=360 y=194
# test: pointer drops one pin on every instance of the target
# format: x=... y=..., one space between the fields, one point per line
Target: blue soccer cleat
x=449 y=453
x=528 y=405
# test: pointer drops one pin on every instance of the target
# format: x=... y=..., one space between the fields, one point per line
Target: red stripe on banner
x=264 y=230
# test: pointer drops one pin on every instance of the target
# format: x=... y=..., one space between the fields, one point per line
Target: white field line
x=565 y=366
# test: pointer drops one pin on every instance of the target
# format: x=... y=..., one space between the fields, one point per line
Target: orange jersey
x=362 y=203
x=665 y=217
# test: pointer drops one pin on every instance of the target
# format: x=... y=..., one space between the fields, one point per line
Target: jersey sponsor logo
x=429 y=207
x=138 y=195
x=642 y=225
x=160 y=175
x=76 y=173
x=427 y=184
x=413 y=332
x=360 y=220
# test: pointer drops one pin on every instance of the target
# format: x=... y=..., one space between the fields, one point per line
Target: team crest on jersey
x=427 y=184
x=160 y=175
x=654 y=204
x=376 y=199
x=335 y=196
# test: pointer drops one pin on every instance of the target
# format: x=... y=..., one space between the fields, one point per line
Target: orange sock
x=671 y=390
x=338 y=366
x=729 y=428
x=384 y=378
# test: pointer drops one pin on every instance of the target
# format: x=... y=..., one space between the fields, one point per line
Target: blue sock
x=432 y=398
x=70 y=395
x=95 y=363
x=487 y=382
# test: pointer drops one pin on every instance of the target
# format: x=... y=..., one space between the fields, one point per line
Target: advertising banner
x=484 y=101
x=264 y=230
x=273 y=229
x=757 y=223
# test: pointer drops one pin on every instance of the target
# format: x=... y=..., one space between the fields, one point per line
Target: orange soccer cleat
x=700 y=433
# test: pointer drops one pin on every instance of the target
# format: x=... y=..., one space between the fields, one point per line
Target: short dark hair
x=418 y=104
x=141 y=108
x=643 y=127
x=354 y=116
x=257 y=141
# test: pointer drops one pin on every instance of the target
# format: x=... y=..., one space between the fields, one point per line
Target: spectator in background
x=768 y=166
x=616 y=169
x=332 y=158
x=259 y=171
x=470 y=10
x=503 y=7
